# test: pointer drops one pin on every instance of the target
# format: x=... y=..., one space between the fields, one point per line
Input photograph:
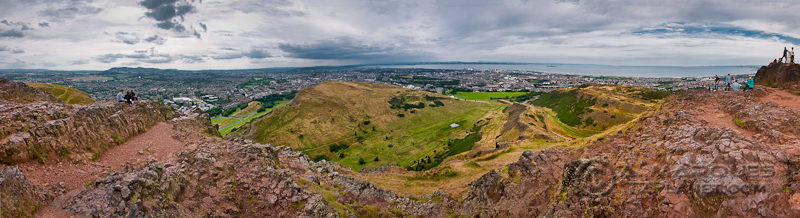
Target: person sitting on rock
x=121 y=96
x=133 y=96
x=735 y=85
x=750 y=83
x=128 y=97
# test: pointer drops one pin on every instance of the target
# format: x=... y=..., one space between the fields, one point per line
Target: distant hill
x=365 y=125
x=66 y=94
x=784 y=76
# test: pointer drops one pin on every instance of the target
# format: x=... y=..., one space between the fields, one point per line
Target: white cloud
x=223 y=34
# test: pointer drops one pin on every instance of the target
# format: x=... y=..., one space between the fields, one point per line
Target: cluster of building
x=208 y=89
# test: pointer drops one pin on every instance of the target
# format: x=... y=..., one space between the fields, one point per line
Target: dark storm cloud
x=44 y=24
x=205 y=28
x=257 y=54
x=168 y=13
x=142 y=56
x=155 y=39
x=346 y=49
x=253 y=53
x=14 y=29
x=11 y=33
x=672 y=29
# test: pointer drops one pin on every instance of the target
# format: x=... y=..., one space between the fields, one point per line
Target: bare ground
x=157 y=143
x=782 y=98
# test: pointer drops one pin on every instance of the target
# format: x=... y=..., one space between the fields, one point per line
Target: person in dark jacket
x=133 y=96
x=128 y=97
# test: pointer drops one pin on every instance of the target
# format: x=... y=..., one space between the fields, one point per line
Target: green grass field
x=487 y=95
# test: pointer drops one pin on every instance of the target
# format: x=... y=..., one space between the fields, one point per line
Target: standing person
x=785 y=54
x=735 y=85
x=791 y=56
x=751 y=83
x=728 y=81
x=121 y=96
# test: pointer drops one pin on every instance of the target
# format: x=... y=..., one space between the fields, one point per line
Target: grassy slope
x=591 y=109
x=229 y=129
x=487 y=95
x=251 y=108
x=66 y=94
x=360 y=116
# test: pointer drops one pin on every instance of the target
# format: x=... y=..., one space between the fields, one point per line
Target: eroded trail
x=719 y=118
x=782 y=98
x=64 y=177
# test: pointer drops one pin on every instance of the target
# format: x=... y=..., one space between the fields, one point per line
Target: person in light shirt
x=121 y=96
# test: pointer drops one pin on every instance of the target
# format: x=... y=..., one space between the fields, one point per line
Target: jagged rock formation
x=20 y=197
x=236 y=178
x=40 y=130
x=19 y=93
x=785 y=76
x=673 y=163
x=34 y=125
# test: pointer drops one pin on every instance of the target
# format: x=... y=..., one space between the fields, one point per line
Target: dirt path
x=782 y=98
x=719 y=118
x=156 y=143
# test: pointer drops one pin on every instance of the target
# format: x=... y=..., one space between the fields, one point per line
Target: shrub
x=738 y=122
x=377 y=159
x=320 y=157
x=361 y=161
x=335 y=148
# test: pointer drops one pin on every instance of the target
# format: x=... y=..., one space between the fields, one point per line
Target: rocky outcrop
x=670 y=164
x=20 y=197
x=19 y=93
x=236 y=178
x=785 y=76
x=48 y=130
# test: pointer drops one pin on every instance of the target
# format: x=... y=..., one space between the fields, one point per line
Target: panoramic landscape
x=303 y=108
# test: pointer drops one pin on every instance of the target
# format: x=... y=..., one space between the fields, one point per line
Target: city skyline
x=192 y=35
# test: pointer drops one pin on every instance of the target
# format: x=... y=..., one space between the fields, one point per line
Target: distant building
x=182 y=99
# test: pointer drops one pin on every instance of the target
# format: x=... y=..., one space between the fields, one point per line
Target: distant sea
x=595 y=70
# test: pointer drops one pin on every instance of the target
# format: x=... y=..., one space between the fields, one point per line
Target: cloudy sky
x=223 y=34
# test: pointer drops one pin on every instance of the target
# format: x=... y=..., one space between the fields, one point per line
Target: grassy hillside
x=365 y=125
x=66 y=94
x=589 y=109
x=488 y=95
x=237 y=123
